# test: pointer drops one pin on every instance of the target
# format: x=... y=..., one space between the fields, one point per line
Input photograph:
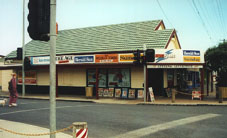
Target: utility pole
x=145 y=75
x=23 y=51
x=52 y=67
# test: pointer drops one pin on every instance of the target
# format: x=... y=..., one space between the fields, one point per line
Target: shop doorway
x=155 y=80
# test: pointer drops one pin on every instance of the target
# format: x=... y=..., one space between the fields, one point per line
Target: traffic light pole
x=52 y=67
x=145 y=75
x=23 y=51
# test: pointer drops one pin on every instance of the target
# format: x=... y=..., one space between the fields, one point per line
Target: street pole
x=52 y=67
x=144 y=71
x=23 y=51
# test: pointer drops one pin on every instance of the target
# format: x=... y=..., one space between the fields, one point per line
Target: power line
x=200 y=17
x=221 y=16
x=164 y=13
x=206 y=17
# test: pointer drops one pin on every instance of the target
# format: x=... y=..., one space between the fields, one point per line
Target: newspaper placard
x=151 y=94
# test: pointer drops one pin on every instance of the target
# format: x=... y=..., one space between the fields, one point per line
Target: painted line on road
x=32 y=103
x=156 y=128
x=21 y=111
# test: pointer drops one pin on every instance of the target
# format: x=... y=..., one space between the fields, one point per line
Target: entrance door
x=155 y=80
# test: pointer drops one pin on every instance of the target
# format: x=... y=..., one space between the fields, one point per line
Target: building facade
x=102 y=57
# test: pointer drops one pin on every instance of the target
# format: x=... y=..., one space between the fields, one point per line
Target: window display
x=116 y=78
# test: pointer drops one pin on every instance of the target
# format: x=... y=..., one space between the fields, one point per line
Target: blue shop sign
x=191 y=53
x=84 y=59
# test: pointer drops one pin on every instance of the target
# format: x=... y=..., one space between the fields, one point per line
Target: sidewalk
x=25 y=128
x=159 y=100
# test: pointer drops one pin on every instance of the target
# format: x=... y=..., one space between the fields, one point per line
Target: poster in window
x=100 y=91
x=111 y=92
x=132 y=94
x=118 y=78
x=102 y=78
x=124 y=93
x=140 y=94
x=91 y=77
x=105 y=92
x=117 y=92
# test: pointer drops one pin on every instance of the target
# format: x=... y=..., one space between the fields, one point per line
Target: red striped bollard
x=80 y=130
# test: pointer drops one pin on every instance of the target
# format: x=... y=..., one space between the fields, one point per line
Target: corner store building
x=105 y=53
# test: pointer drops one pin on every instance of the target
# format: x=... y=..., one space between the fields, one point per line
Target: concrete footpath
x=25 y=128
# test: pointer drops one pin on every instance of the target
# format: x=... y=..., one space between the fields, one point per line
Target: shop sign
x=174 y=66
x=84 y=59
x=178 y=56
x=40 y=60
x=106 y=58
x=191 y=53
x=126 y=58
x=30 y=77
x=65 y=59
x=191 y=59
x=45 y=60
x=167 y=56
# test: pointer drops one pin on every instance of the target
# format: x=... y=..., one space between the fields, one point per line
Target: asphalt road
x=115 y=120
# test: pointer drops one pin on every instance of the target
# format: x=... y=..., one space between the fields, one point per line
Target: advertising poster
x=105 y=92
x=100 y=91
x=131 y=94
x=124 y=93
x=111 y=92
x=119 y=78
x=140 y=94
x=117 y=92
x=30 y=77
x=151 y=94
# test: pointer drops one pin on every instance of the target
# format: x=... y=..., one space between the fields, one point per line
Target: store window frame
x=107 y=77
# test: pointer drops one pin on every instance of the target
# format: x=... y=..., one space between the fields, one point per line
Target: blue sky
x=200 y=24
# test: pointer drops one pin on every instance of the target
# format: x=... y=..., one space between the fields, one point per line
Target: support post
x=208 y=82
x=202 y=82
x=145 y=74
x=23 y=51
x=97 y=83
x=80 y=130
x=52 y=67
x=212 y=81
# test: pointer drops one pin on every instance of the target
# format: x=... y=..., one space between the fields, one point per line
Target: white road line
x=21 y=111
x=153 y=129
x=31 y=103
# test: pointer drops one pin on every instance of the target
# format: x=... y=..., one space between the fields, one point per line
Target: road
x=115 y=120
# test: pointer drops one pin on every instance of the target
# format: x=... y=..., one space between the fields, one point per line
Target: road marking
x=21 y=111
x=153 y=129
x=32 y=103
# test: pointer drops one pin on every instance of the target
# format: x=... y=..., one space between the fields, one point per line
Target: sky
x=200 y=24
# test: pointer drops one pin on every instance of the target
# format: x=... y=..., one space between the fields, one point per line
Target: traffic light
x=19 y=53
x=136 y=57
x=27 y=64
x=150 y=55
x=39 y=19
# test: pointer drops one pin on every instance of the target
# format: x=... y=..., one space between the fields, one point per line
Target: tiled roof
x=119 y=37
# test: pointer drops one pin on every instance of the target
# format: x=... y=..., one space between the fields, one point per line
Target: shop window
x=109 y=77
x=118 y=78
x=91 y=77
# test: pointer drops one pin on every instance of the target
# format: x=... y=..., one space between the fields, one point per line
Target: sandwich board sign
x=151 y=94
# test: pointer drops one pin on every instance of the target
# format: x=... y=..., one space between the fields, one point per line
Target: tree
x=216 y=60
